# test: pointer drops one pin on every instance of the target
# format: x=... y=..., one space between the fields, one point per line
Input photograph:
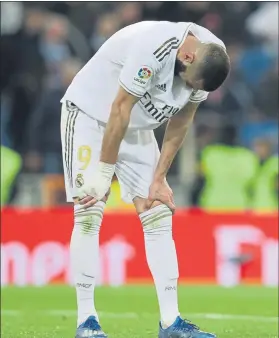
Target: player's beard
x=179 y=67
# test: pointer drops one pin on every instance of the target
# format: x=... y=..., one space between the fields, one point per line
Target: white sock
x=85 y=257
x=162 y=260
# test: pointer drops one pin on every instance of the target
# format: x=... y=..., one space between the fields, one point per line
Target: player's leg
x=162 y=261
x=161 y=256
x=135 y=171
x=135 y=176
x=81 y=142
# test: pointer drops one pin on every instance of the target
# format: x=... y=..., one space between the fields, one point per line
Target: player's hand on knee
x=90 y=201
x=161 y=191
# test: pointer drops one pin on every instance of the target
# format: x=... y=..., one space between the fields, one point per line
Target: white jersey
x=140 y=58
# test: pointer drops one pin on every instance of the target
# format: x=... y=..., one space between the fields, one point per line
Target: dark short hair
x=214 y=67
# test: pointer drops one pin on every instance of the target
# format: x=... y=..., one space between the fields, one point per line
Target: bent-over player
x=145 y=75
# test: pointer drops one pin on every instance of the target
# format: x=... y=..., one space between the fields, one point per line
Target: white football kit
x=141 y=59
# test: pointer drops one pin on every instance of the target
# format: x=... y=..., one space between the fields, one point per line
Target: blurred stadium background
x=225 y=178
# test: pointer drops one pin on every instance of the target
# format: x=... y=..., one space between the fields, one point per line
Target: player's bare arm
x=174 y=136
x=114 y=133
x=117 y=125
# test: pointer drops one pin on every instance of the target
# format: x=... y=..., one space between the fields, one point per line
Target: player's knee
x=141 y=205
x=88 y=221
x=157 y=221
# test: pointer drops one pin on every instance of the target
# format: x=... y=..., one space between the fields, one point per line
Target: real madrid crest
x=79 y=181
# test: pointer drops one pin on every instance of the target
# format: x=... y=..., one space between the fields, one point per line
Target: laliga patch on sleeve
x=143 y=76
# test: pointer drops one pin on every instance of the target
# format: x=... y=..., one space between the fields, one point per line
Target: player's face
x=181 y=70
x=185 y=73
x=179 y=67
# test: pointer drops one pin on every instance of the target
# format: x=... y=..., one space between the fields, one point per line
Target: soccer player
x=145 y=75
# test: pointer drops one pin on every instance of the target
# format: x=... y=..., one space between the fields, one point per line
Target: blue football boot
x=90 y=329
x=183 y=329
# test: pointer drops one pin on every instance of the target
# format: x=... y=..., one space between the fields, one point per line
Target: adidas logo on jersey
x=162 y=87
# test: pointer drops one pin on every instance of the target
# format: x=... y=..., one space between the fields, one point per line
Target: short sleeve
x=198 y=96
x=139 y=69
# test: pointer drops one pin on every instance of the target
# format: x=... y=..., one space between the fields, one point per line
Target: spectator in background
x=254 y=63
x=201 y=13
x=54 y=47
x=205 y=135
x=263 y=24
x=10 y=167
x=182 y=11
x=150 y=10
x=106 y=26
x=226 y=175
x=44 y=130
x=266 y=94
x=233 y=16
x=83 y=16
x=263 y=149
x=235 y=97
x=265 y=188
x=79 y=18
x=11 y=17
x=129 y=13
x=25 y=73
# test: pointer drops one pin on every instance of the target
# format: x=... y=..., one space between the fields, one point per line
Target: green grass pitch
x=132 y=312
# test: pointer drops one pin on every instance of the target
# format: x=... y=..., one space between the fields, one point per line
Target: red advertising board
x=227 y=249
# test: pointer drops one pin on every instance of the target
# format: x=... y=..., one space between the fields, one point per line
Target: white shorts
x=81 y=145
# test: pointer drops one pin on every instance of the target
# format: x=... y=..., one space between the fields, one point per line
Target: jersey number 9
x=84 y=156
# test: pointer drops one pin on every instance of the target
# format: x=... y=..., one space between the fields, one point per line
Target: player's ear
x=188 y=58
